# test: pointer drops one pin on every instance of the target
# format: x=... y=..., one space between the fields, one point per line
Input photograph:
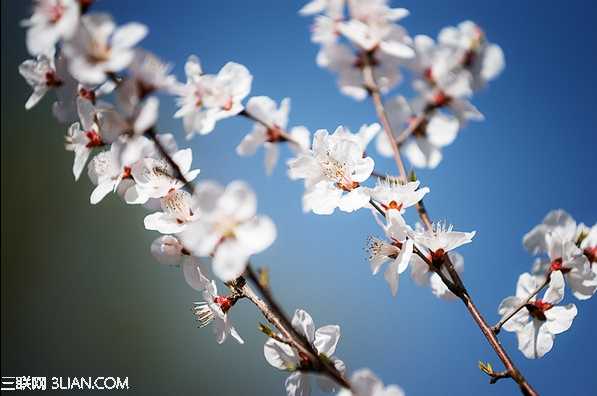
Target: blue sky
x=535 y=152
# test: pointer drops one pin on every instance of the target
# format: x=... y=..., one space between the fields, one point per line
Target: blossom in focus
x=228 y=228
x=99 y=125
x=283 y=357
x=154 y=177
x=208 y=98
x=215 y=310
x=440 y=239
x=178 y=210
x=364 y=382
x=392 y=194
x=398 y=249
x=537 y=324
x=52 y=20
x=107 y=174
x=334 y=169
x=558 y=237
x=99 y=47
x=265 y=110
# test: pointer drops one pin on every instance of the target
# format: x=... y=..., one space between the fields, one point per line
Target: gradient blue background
x=81 y=294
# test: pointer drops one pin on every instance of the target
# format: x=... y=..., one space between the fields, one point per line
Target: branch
x=273 y=313
x=373 y=88
x=455 y=285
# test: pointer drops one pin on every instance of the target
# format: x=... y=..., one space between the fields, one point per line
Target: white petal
x=303 y=323
x=148 y=115
x=230 y=260
x=128 y=35
x=559 y=319
x=279 y=355
x=354 y=200
x=271 y=157
x=297 y=384
x=257 y=234
x=326 y=339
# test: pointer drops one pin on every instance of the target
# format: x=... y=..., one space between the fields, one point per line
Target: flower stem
x=498 y=326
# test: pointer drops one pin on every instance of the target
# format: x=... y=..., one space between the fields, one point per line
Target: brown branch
x=373 y=89
x=273 y=313
x=455 y=285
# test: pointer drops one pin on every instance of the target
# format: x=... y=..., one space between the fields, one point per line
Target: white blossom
x=364 y=382
x=179 y=209
x=398 y=249
x=40 y=74
x=99 y=125
x=392 y=194
x=332 y=167
x=265 y=110
x=283 y=357
x=440 y=239
x=215 y=310
x=423 y=147
x=340 y=59
x=99 y=47
x=483 y=60
x=208 y=98
x=372 y=29
x=52 y=20
x=228 y=228
x=558 y=237
x=537 y=324
x=155 y=177
x=107 y=174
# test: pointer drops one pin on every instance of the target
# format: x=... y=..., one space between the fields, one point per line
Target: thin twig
x=498 y=326
x=374 y=92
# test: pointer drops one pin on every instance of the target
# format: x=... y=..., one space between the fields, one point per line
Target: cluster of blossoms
x=446 y=72
x=86 y=59
x=569 y=257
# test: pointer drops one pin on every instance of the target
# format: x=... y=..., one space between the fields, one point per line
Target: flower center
x=88 y=94
x=177 y=204
x=224 y=302
x=558 y=265
x=393 y=205
x=537 y=309
x=274 y=134
x=126 y=172
x=440 y=99
x=95 y=140
x=591 y=254
x=55 y=13
x=52 y=79
x=437 y=257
